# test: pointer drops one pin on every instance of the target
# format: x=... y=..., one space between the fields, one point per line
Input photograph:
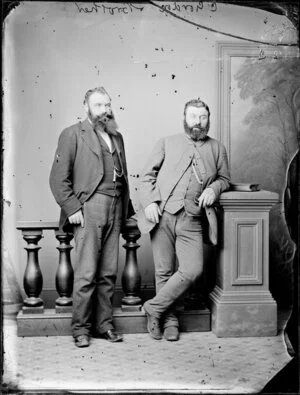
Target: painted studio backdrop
x=151 y=58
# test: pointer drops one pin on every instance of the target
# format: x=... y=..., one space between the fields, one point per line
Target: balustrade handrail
x=54 y=225
x=50 y=225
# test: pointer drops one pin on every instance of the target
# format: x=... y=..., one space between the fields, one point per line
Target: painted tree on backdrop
x=265 y=151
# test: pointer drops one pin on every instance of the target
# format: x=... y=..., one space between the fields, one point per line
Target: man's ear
x=86 y=107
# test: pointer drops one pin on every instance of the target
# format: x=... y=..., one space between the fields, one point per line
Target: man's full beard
x=104 y=122
x=197 y=132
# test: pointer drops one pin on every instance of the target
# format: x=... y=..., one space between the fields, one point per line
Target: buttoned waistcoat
x=77 y=170
x=169 y=160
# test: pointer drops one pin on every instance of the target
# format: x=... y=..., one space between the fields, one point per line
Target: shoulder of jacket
x=174 y=138
x=119 y=135
x=73 y=129
x=215 y=143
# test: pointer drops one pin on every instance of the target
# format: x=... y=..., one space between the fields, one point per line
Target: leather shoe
x=171 y=333
x=82 y=341
x=152 y=325
x=111 y=335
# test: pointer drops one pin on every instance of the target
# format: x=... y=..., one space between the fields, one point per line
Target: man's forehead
x=98 y=97
x=196 y=110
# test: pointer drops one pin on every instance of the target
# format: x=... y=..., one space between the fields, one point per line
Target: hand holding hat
x=210 y=227
x=207 y=197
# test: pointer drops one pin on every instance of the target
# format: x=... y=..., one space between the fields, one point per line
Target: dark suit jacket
x=78 y=169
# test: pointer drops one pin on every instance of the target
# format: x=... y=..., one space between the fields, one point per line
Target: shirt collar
x=194 y=143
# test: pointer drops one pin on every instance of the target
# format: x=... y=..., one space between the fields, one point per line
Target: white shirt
x=106 y=138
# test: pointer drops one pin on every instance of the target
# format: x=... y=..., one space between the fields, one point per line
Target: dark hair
x=196 y=103
x=99 y=89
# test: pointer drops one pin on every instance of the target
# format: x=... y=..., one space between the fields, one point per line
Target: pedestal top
x=257 y=195
x=258 y=198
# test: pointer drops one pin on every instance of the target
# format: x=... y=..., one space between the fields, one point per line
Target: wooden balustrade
x=65 y=275
x=33 y=278
x=131 y=278
x=32 y=232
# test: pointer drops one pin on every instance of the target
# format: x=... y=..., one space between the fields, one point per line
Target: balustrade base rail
x=51 y=323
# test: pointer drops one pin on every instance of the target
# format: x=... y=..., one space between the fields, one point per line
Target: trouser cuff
x=105 y=328
x=148 y=309
x=81 y=332
x=169 y=323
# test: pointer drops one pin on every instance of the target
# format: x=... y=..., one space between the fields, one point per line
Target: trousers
x=177 y=237
x=96 y=264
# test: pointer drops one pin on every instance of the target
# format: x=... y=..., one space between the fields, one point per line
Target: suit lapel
x=116 y=144
x=187 y=151
x=90 y=138
x=119 y=151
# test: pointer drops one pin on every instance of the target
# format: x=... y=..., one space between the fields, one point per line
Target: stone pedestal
x=241 y=303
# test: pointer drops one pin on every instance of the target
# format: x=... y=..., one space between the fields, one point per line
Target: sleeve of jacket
x=222 y=181
x=130 y=209
x=61 y=173
x=148 y=191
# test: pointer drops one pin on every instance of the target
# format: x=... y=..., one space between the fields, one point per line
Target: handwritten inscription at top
x=127 y=8
x=191 y=7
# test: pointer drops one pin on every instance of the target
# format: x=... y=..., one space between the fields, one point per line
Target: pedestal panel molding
x=255 y=259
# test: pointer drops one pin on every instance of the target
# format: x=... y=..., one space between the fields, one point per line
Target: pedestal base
x=241 y=316
x=126 y=307
x=32 y=310
x=64 y=301
x=63 y=309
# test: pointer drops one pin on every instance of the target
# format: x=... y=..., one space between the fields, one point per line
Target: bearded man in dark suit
x=89 y=182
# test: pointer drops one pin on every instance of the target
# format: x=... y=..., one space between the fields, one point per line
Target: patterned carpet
x=198 y=363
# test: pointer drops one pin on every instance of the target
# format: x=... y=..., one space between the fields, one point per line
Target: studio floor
x=198 y=363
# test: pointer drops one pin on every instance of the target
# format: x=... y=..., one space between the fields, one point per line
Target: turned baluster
x=64 y=275
x=33 y=279
x=131 y=278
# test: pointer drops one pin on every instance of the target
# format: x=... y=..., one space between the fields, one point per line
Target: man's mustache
x=197 y=132
x=107 y=122
x=103 y=118
x=198 y=127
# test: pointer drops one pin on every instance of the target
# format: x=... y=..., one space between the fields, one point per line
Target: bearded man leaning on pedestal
x=185 y=174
